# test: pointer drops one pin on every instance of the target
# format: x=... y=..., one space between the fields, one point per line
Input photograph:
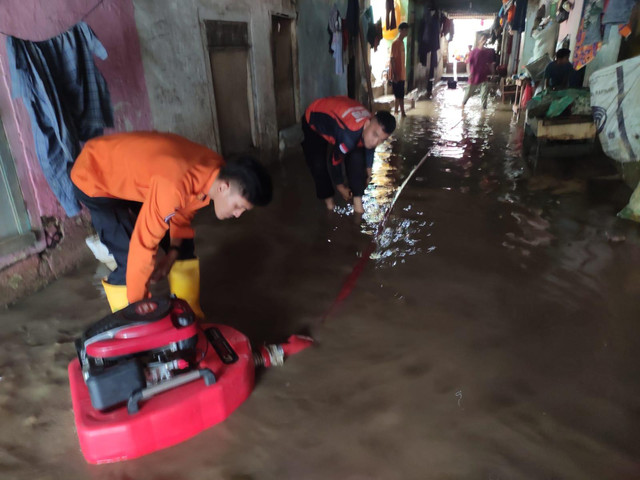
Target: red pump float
x=149 y=377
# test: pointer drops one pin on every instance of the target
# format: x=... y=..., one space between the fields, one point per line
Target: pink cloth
x=480 y=60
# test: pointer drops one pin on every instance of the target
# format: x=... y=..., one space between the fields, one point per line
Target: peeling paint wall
x=177 y=69
x=114 y=24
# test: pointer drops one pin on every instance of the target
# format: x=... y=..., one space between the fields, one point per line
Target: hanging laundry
x=584 y=52
x=563 y=11
x=335 y=40
x=592 y=16
x=508 y=9
x=390 y=15
x=519 y=17
x=447 y=28
x=352 y=21
x=67 y=99
x=618 y=12
x=373 y=31
x=541 y=13
x=374 y=34
x=496 y=30
x=429 y=35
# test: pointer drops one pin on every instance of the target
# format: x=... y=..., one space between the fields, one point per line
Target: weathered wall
x=113 y=23
x=177 y=70
x=316 y=65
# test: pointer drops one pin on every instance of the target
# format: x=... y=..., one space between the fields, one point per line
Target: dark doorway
x=282 y=53
x=228 y=46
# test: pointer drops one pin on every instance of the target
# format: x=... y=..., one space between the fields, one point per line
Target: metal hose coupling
x=273 y=355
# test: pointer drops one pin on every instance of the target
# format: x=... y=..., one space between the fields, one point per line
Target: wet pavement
x=493 y=333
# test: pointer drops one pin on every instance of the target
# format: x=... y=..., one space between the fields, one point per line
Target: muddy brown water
x=493 y=335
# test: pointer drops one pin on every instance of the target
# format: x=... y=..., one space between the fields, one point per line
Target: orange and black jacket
x=340 y=121
x=170 y=175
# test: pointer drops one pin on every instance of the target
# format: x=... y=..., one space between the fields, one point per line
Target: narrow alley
x=492 y=334
x=440 y=199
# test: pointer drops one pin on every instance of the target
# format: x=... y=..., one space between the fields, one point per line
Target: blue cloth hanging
x=67 y=99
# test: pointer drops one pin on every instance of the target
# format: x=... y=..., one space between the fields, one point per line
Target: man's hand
x=344 y=191
x=163 y=266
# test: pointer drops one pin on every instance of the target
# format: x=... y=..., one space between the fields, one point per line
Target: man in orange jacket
x=143 y=189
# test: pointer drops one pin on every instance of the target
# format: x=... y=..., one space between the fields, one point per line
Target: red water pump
x=149 y=376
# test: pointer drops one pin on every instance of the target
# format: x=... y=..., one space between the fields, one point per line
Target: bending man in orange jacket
x=143 y=189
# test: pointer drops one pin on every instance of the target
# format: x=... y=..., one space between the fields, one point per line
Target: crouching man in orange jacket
x=143 y=189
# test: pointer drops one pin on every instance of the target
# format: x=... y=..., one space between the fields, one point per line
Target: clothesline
x=98 y=3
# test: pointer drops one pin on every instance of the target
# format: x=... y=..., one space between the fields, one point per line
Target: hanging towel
x=67 y=99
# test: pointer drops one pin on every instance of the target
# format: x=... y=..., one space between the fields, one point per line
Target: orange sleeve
x=394 y=50
x=180 y=225
x=151 y=226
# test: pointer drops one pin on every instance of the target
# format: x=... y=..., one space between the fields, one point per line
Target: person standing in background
x=398 y=68
x=481 y=63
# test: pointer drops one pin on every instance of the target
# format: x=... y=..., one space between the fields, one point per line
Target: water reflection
x=458 y=138
x=395 y=236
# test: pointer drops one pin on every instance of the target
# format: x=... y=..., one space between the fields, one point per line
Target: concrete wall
x=114 y=24
x=316 y=65
x=177 y=70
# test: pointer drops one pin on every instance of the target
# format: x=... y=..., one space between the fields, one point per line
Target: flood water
x=493 y=333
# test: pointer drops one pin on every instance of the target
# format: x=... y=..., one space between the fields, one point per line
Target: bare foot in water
x=357 y=205
x=329 y=202
x=344 y=191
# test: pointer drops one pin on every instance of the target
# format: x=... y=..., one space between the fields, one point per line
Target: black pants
x=114 y=220
x=398 y=89
x=315 y=153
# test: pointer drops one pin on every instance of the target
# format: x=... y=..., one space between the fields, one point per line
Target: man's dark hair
x=252 y=178
x=563 y=53
x=387 y=121
x=403 y=26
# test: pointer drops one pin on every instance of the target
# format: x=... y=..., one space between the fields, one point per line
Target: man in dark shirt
x=560 y=74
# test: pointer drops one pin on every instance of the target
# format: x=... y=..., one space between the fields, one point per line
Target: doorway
x=229 y=55
x=283 y=79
